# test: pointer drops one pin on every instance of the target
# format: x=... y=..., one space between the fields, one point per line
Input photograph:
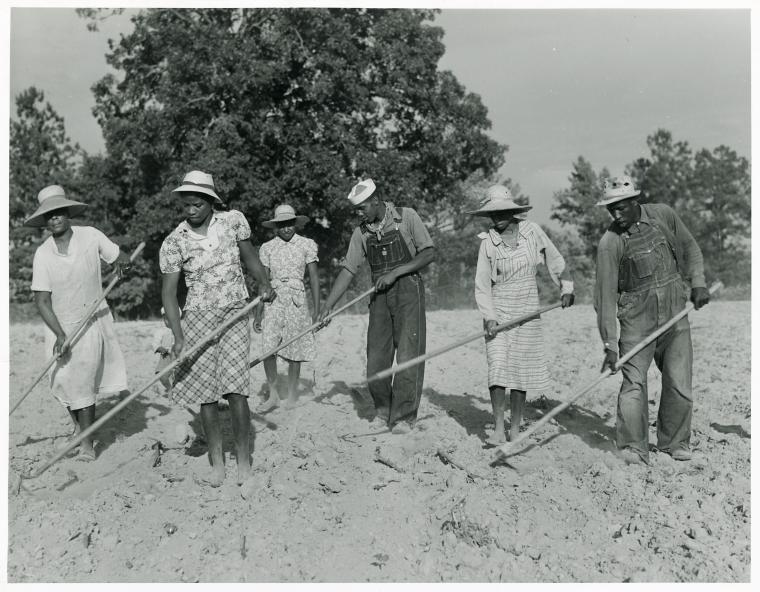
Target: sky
x=558 y=84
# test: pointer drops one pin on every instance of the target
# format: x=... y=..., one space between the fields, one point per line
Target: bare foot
x=271 y=403
x=496 y=439
x=291 y=402
x=243 y=472
x=248 y=487
x=215 y=479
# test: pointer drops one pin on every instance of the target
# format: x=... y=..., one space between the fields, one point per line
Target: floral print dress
x=288 y=314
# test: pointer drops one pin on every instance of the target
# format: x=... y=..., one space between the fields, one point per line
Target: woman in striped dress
x=505 y=288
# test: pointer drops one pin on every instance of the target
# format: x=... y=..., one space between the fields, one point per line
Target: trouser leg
x=408 y=313
x=632 y=409
x=674 y=356
x=380 y=352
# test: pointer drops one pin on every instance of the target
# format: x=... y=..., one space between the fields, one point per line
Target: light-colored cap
x=361 y=191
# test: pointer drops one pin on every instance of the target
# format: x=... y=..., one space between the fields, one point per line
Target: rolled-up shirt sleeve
x=483 y=285
x=419 y=233
x=355 y=255
x=606 y=290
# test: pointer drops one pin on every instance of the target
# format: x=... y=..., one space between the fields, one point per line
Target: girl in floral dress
x=286 y=257
x=208 y=247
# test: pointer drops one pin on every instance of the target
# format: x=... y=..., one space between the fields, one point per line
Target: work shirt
x=74 y=278
x=213 y=273
x=644 y=265
x=411 y=228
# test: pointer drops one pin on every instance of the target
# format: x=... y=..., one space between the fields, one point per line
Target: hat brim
x=198 y=189
x=37 y=220
x=486 y=211
x=617 y=198
x=299 y=221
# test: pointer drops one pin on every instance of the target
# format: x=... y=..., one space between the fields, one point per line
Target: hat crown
x=497 y=193
x=284 y=211
x=361 y=191
x=50 y=191
x=617 y=186
x=199 y=178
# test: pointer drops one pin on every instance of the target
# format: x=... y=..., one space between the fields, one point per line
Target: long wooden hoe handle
x=311 y=328
x=511 y=447
x=420 y=359
x=70 y=339
x=125 y=401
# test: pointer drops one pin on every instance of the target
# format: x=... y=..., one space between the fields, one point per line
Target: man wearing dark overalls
x=644 y=262
x=396 y=244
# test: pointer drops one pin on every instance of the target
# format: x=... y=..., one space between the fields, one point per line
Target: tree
x=287 y=105
x=576 y=206
x=40 y=154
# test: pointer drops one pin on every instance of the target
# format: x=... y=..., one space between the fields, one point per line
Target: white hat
x=361 y=191
x=283 y=213
x=198 y=182
x=618 y=189
x=51 y=198
x=499 y=199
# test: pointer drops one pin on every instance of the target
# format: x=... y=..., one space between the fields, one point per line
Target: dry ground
x=327 y=509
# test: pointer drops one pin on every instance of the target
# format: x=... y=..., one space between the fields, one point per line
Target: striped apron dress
x=516 y=358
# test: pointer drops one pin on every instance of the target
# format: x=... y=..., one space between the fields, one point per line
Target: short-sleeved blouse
x=287 y=260
x=213 y=273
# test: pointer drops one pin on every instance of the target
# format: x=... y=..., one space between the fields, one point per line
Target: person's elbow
x=429 y=255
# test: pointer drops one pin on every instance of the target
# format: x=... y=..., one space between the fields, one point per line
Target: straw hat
x=51 y=198
x=199 y=182
x=285 y=213
x=361 y=191
x=618 y=189
x=499 y=199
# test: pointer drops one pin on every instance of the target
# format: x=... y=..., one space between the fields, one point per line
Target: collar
x=391 y=216
x=496 y=237
x=185 y=227
x=644 y=218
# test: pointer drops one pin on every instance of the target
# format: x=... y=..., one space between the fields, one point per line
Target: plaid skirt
x=221 y=366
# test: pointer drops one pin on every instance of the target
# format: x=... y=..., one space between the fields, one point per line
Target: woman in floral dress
x=286 y=257
x=208 y=246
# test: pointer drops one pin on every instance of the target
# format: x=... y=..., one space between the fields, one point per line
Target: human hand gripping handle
x=385 y=281
x=610 y=361
x=699 y=297
x=567 y=300
x=490 y=328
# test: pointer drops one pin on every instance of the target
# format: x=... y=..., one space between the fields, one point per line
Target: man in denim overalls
x=396 y=244
x=644 y=262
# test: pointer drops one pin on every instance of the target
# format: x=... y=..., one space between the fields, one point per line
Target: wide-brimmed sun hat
x=198 y=182
x=53 y=197
x=618 y=189
x=499 y=199
x=285 y=213
x=361 y=191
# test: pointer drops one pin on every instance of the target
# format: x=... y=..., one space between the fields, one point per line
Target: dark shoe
x=680 y=454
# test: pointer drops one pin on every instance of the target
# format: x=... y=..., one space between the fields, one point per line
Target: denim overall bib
x=650 y=288
x=396 y=328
